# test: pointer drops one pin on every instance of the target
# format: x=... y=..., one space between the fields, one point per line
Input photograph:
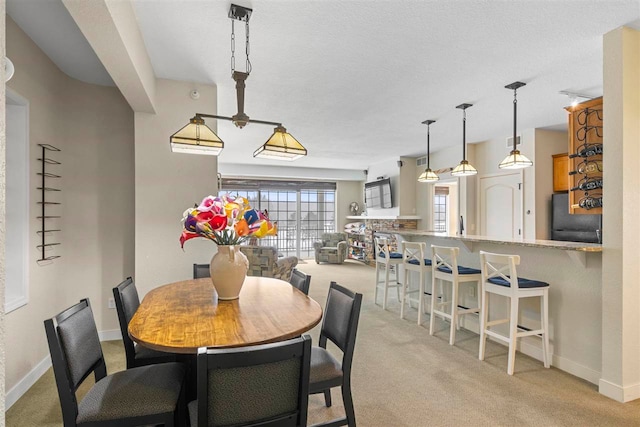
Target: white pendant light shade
x=281 y=146
x=196 y=138
x=464 y=169
x=515 y=160
x=428 y=176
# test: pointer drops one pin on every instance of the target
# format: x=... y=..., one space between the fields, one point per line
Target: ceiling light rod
x=464 y=107
x=428 y=175
x=515 y=160
x=232 y=119
x=464 y=168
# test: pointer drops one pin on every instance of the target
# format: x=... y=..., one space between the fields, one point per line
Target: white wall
x=93 y=125
x=347 y=192
x=167 y=184
x=621 y=229
x=2 y=219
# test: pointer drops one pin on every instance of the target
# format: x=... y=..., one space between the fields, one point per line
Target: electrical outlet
x=472 y=291
x=112 y=303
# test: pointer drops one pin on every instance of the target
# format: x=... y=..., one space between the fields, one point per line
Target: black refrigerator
x=572 y=228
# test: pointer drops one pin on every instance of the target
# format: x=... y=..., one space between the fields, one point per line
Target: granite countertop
x=553 y=244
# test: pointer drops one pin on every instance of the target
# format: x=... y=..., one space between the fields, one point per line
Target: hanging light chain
x=247 y=47
x=233 y=47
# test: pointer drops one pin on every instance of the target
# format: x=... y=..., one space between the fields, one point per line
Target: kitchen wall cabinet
x=561 y=172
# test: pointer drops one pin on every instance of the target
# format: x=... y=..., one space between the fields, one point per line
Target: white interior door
x=501 y=206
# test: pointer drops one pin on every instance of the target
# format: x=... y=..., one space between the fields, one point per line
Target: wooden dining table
x=183 y=316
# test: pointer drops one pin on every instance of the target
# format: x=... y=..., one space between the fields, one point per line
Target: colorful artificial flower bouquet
x=226 y=220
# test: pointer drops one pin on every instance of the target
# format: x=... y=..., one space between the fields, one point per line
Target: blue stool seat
x=522 y=282
x=392 y=255
x=415 y=261
x=461 y=270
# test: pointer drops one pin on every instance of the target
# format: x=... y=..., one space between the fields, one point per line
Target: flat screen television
x=377 y=194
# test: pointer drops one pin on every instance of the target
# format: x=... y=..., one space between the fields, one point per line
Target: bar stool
x=385 y=259
x=413 y=259
x=446 y=269
x=499 y=277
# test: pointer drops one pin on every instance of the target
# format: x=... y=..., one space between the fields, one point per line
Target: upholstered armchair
x=264 y=262
x=332 y=248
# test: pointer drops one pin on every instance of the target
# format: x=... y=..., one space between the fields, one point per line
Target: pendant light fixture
x=197 y=138
x=464 y=168
x=515 y=160
x=428 y=175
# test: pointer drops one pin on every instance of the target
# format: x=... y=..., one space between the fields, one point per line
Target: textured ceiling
x=352 y=81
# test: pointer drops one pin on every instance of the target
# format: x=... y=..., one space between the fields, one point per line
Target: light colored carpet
x=404 y=377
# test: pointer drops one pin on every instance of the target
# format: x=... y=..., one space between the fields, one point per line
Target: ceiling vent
x=510 y=141
x=421 y=161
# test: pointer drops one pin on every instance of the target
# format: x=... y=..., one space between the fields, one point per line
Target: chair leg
x=375 y=290
x=420 y=298
x=513 y=329
x=432 y=320
x=397 y=278
x=484 y=319
x=454 y=312
x=386 y=286
x=545 y=330
x=327 y=398
x=348 y=405
x=404 y=295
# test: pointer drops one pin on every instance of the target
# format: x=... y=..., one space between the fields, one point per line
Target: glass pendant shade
x=464 y=169
x=515 y=160
x=428 y=176
x=196 y=138
x=281 y=146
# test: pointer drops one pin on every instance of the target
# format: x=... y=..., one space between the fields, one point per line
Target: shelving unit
x=46 y=230
x=356 y=241
x=585 y=157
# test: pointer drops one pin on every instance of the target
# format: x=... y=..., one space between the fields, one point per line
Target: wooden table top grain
x=183 y=316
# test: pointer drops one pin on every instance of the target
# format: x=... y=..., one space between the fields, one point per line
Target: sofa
x=264 y=262
x=332 y=248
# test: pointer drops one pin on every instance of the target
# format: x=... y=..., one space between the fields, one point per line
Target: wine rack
x=48 y=189
x=586 y=185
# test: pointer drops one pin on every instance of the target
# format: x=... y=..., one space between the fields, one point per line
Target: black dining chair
x=263 y=385
x=127 y=302
x=300 y=280
x=145 y=395
x=200 y=271
x=339 y=325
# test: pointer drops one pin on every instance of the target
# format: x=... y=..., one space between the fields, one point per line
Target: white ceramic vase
x=228 y=269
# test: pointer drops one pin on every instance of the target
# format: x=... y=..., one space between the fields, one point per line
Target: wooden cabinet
x=561 y=172
x=585 y=157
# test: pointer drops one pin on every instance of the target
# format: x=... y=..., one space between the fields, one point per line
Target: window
x=17 y=202
x=303 y=211
x=440 y=211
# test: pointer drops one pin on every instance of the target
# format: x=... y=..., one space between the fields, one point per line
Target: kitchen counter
x=554 y=244
x=574 y=273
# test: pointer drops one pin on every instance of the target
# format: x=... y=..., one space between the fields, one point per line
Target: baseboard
x=26 y=382
x=576 y=369
x=619 y=393
x=110 y=335
x=41 y=367
x=531 y=346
